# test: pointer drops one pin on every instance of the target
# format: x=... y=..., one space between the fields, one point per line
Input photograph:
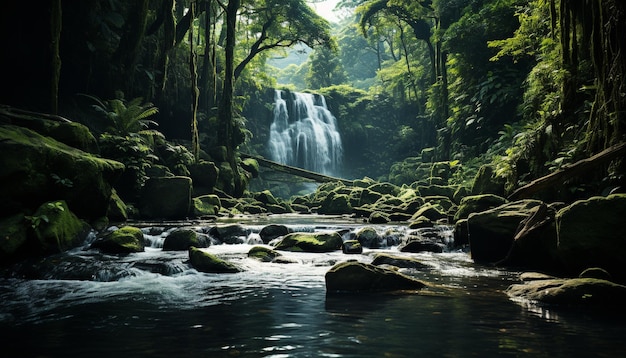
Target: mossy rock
x=385 y=188
x=73 y=134
x=477 y=203
x=378 y=217
x=432 y=212
x=206 y=262
x=420 y=222
x=351 y=247
x=310 y=242
x=591 y=234
x=263 y=254
x=491 y=232
x=587 y=292
x=369 y=197
x=265 y=197
x=272 y=231
x=336 y=204
x=487 y=182
x=355 y=276
x=118 y=210
x=206 y=205
x=182 y=239
x=56 y=228
x=13 y=231
x=125 y=240
x=35 y=169
x=251 y=166
x=230 y=233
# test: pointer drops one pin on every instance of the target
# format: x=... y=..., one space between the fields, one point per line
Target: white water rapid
x=305 y=135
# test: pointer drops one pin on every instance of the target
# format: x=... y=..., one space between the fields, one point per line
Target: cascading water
x=305 y=135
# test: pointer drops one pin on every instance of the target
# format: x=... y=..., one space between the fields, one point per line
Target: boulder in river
x=263 y=254
x=352 y=247
x=121 y=241
x=310 y=242
x=182 y=239
x=591 y=234
x=355 y=276
x=491 y=232
x=272 y=231
x=398 y=261
x=207 y=262
x=590 y=292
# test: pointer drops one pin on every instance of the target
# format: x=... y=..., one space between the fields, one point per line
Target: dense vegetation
x=525 y=86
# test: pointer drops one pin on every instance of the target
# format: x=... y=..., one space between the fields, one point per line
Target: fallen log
x=317 y=177
x=568 y=171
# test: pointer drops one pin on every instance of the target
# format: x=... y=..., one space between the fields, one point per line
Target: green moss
x=121 y=241
x=56 y=227
x=206 y=262
x=263 y=254
x=310 y=242
x=13 y=235
x=206 y=205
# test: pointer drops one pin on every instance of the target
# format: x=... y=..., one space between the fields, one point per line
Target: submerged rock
x=398 y=261
x=355 y=276
x=575 y=291
x=310 y=242
x=206 y=262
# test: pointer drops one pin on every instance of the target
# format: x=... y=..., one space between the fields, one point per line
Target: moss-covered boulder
x=587 y=292
x=265 y=197
x=385 y=188
x=272 y=231
x=369 y=237
x=125 y=240
x=166 y=198
x=336 y=204
x=368 y=196
x=477 y=203
x=206 y=262
x=420 y=222
x=13 y=231
x=310 y=242
x=591 y=234
x=35 y=169
x=263 y=254
x=491 y=232
x=355 y=276
x=351 y=247
x=182 y=239
x=73 y=134
x=429 y=211
x=379 y=217
x=230 y=233
x=118 y=210
x=251 y=166
x=56 y=228
x=487 y=181
x=206 y=205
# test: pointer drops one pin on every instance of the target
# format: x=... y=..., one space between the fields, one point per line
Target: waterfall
x=306 y=134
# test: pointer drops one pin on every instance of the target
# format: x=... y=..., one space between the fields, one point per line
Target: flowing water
x=304 y=133
x=153 y=304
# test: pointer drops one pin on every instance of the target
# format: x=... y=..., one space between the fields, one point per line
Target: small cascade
x=304 y=133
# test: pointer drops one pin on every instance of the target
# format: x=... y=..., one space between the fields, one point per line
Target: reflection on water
x=152 y=304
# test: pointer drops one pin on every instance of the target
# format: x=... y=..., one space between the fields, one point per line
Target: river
x=153 y=304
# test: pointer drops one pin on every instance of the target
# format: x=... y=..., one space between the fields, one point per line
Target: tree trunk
x=225 y=109
x=55 y=35
x=127 y=52
x=195 y=92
